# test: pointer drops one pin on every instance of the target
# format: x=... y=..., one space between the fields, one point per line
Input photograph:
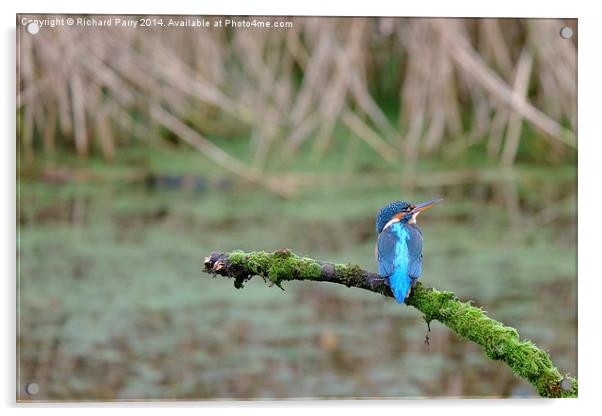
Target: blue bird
x=399 y=246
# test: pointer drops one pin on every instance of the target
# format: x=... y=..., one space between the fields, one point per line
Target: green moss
x=237 y=257
x=350 y=274
x=278 y=266
x=499 y=342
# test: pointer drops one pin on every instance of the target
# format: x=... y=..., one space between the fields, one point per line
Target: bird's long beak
x=425 y=205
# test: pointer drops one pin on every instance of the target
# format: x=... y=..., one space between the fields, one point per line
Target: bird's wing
x=385 y=252
x=415 y=252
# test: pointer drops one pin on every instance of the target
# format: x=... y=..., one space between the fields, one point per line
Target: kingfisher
x=399 y=245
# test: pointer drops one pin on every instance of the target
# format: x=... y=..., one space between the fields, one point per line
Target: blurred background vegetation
x=140 y=151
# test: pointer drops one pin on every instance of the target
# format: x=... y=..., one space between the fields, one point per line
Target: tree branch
x=499 y=342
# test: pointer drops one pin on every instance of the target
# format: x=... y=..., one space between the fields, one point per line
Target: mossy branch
x=499 y=342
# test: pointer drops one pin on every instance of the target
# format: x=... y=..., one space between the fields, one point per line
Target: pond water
x=113 y=303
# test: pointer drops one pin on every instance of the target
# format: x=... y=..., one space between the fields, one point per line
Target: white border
x=590 y=112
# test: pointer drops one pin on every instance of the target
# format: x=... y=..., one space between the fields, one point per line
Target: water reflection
x=113 y=304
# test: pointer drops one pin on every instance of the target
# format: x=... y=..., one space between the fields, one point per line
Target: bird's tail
x=400 y=284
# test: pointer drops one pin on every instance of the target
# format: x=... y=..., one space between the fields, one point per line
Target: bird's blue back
x=399 y=252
